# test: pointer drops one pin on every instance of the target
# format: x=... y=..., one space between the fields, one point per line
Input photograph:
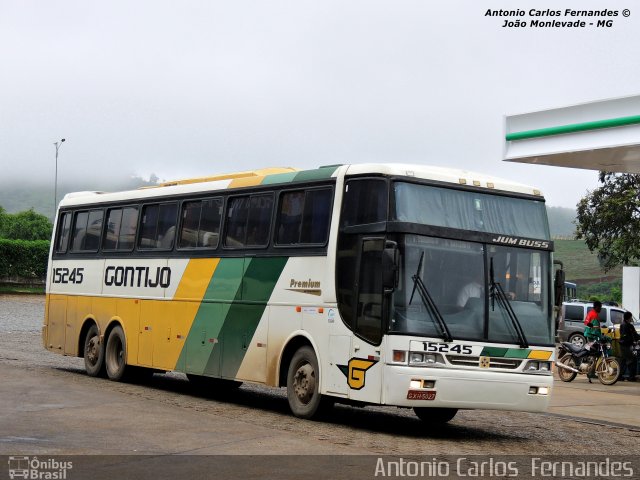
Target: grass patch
x=21 y=289
x=582 y=267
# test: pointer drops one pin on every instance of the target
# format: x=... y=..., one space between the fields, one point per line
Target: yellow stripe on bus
x=175 y=317
x=539 y=355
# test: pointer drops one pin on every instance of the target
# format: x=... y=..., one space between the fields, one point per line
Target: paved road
x=48 y=405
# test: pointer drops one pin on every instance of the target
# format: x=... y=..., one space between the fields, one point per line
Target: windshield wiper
x=435 y=314
x=496 y=291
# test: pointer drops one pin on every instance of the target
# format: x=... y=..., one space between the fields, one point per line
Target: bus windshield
x=468 y=210
x=456 y=275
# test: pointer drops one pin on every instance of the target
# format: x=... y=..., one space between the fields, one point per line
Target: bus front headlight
x=425 y=359
x=537 y=367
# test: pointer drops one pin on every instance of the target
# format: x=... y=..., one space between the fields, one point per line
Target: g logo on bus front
x=356 y=371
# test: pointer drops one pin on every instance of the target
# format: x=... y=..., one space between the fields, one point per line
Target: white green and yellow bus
x=405 y=285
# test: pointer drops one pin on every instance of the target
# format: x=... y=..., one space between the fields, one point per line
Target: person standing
x=592 y=323
x=628 y=337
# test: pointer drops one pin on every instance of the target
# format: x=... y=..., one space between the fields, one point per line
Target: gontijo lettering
x=137 y=277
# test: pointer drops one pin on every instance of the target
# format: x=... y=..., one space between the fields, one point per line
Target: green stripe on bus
x=493 y=352
x=223 y=289
x=505 y=352
x=230 y=312
x=573 y=128
x=517 y=353
x=243 y=318
x=279 y=178
x=321 y=173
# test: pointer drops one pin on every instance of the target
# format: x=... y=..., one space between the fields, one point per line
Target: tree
x=608 y=219
x=27 y=225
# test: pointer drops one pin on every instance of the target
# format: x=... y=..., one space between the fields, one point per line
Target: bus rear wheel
x=303 y=385
x=116 y=354
x=437 y=416
x=93 y=353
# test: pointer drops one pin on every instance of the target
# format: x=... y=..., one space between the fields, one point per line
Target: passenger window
x=158 y=227
x=121 y=229
x=303 y=217
x=365 y=201
x=574 y=313
x=200 y=223
x=63 y=233
x=616 y=317
x=259 y=226
x=249 y=221
x=87 y=230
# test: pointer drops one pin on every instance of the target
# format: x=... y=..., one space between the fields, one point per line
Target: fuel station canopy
x=600 y=135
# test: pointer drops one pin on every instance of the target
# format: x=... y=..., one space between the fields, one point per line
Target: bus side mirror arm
x=390 y=267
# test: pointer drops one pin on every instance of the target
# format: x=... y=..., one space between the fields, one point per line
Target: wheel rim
x=569 y=362
x=608 y=370
x=577 y=340
x=115 y=355
x=92 y=350
x=304 y=383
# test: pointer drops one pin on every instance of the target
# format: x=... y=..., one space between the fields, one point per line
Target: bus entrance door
x=365 y=365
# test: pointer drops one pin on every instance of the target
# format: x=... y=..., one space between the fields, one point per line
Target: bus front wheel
x=436 y=416
x=303 y=385
x=116 y=354
x=93 y=353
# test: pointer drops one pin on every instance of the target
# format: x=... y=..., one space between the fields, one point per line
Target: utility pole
x=55 y=185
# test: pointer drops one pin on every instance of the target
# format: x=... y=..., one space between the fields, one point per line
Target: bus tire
x=115 y=357
x=93 y=352
x=437 y=416
x=303 y=385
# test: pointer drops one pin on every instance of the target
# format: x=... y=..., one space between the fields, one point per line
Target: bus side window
x=127 y=235
x=365 y=201
x=303 y=217
x=158 y=226
x=290 y=218
x=79 y=231
x=87 y=230
x=210 y=223
x=259 y=222
x=236 y=228
x=317 y=211
x=190 y=224
x=200 y=223
x=249 y=221
x=63 y=233
x=111 y=233
x=121 y=229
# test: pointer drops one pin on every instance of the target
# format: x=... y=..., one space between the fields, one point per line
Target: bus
x=372 y=284
x=570 y=291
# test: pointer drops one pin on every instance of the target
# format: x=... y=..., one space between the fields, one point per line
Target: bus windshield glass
x=468 y=210
x=456 y=275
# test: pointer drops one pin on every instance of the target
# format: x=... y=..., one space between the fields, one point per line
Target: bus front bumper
x=470 y=389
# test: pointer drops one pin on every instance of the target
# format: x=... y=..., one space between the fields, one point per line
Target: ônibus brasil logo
x=34 y=468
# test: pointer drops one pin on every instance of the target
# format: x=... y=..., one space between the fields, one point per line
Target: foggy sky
x=201 y=87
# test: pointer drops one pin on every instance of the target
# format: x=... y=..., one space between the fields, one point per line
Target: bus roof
x=280 y=175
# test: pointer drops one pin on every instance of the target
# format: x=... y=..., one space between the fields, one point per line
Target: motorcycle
x=589 y=359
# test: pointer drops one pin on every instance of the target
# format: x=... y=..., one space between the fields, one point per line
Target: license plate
x=421 y=395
